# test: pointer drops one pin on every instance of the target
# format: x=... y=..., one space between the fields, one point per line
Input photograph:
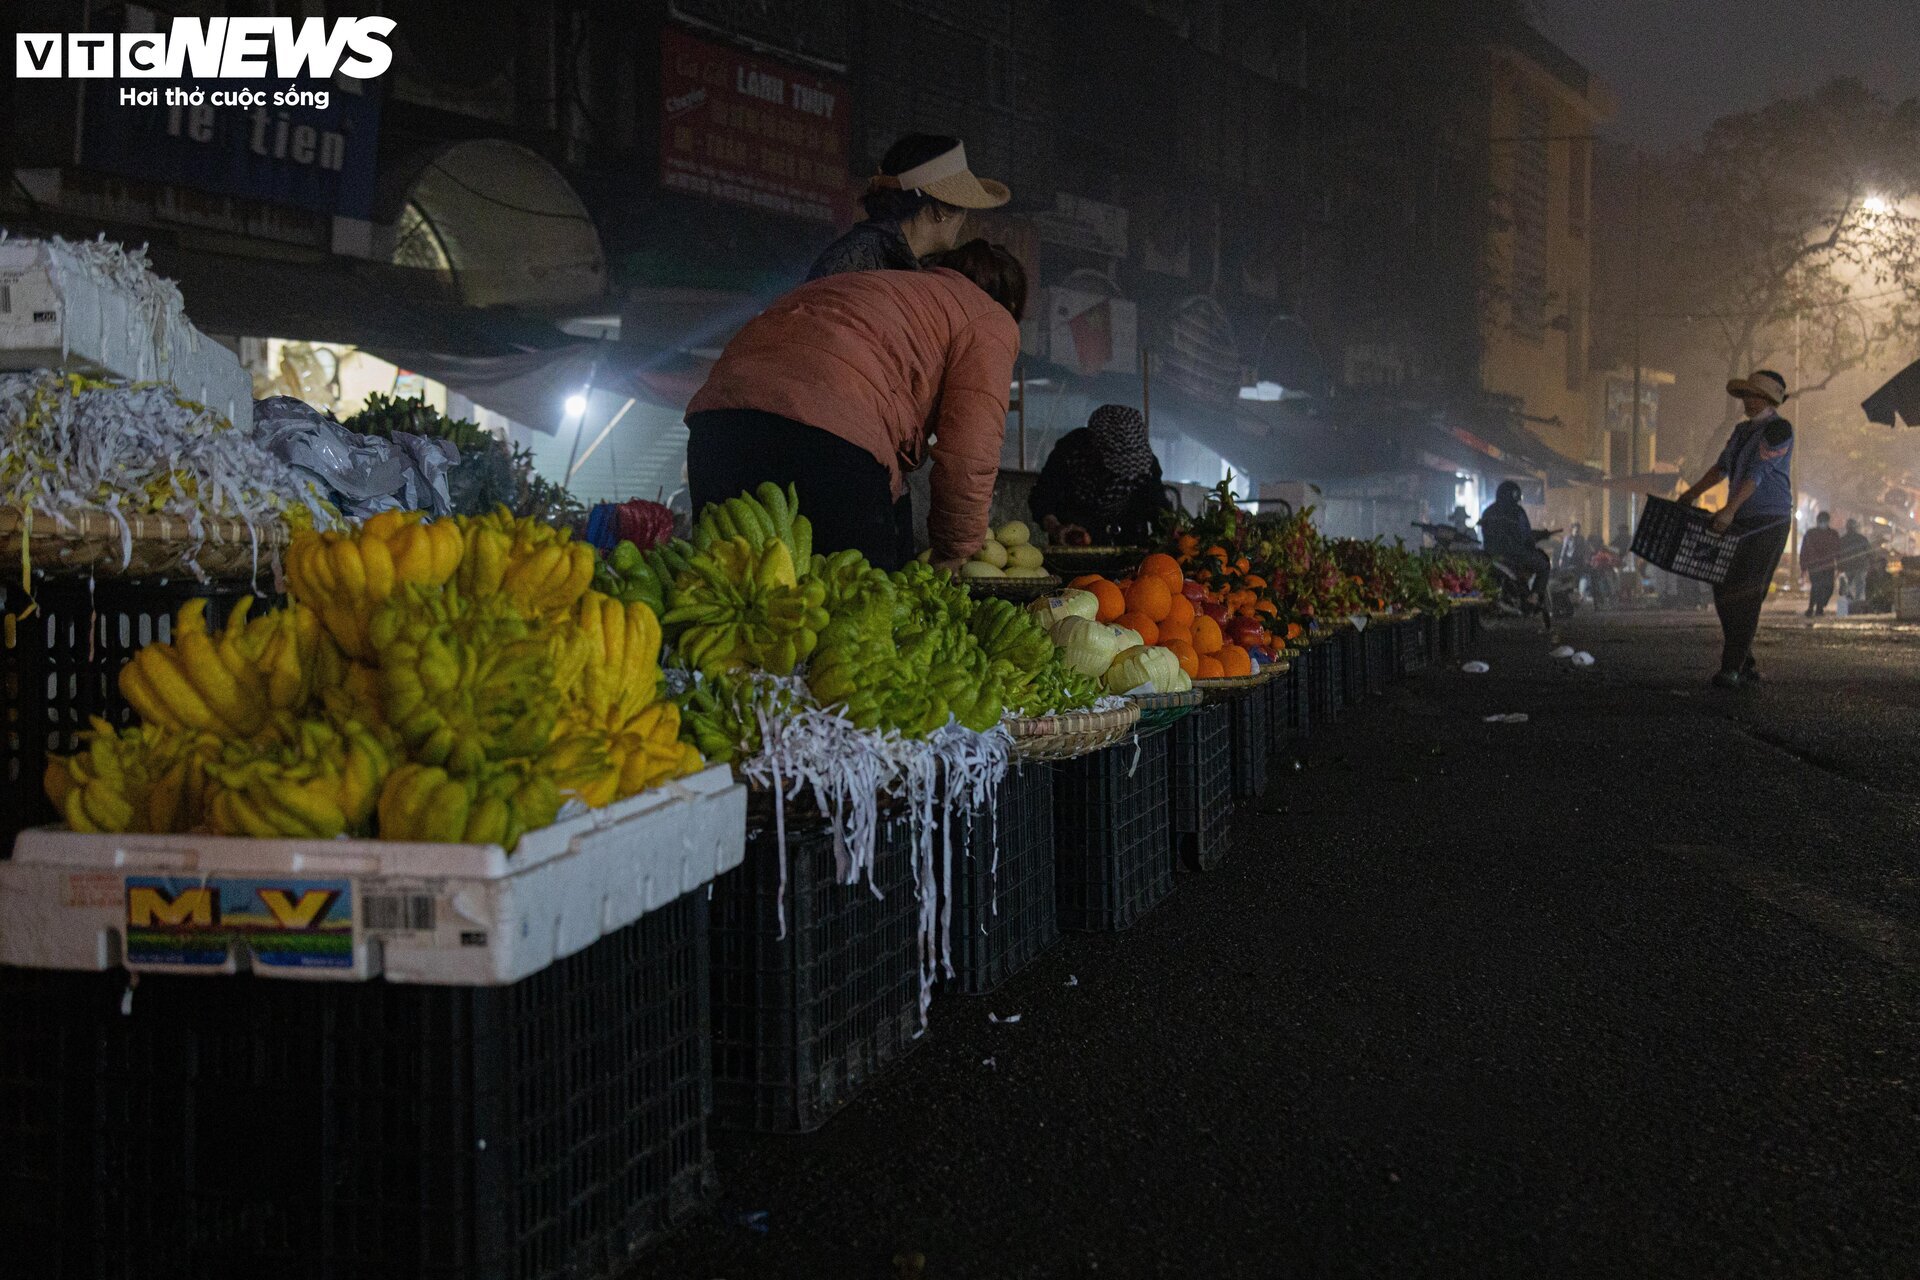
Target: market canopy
x=360 y=304
x=1899 y=397
x=533 y=387
x=1292 y=438
x=1656 y=483
x=1498 y=438
x=512 y=362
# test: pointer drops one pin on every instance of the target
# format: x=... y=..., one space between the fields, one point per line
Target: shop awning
x=1517 y=447
x=509 y=361
x=1304 y=444
x=1284 y=439
x=1898 y=401
x=341 y=300
x=1657 y=483
x=533 y=387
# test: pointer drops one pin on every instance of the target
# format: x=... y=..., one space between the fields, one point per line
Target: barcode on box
x=397 y=913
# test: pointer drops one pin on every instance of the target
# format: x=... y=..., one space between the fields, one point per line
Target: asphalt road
x=1627 y=989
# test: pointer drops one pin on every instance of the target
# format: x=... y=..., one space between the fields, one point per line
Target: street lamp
x=1875 y=205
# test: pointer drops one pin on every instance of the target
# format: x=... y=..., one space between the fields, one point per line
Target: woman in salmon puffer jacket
x=847 y=383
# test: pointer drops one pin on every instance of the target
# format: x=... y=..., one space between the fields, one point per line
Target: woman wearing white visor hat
x=916 y=205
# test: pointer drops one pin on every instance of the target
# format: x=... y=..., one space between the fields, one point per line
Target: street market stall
x=390 y=810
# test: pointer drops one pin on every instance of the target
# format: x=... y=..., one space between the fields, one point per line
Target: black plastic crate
x=801 y=1023
x=1414 y=644
x=1353 y=666
x=1329 y=680
x=1681 y=540
x=1200 y=771
x=1247 y=716
x=1003 y=903
x=238 y=1126
x=1111 y=835
x=1299 y=682
x=60 y=667
x=1382 y=662
x=1463 y=625
x=1275 y=692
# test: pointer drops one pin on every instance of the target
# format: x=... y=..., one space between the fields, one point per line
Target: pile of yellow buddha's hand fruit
x=452 y=680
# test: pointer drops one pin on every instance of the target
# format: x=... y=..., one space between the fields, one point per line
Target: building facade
x=1260 y=221
x=1538 y=296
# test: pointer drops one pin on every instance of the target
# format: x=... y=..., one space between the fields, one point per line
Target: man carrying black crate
x=1757 y=466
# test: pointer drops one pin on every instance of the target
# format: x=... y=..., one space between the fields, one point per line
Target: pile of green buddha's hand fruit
x=446 y=681
x=909 y=652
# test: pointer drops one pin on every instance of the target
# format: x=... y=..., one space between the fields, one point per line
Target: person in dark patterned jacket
x=1102 y=478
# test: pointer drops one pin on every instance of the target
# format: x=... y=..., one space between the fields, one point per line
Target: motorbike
x=1512 y=598
x=1580 y=576
x=1517 y=600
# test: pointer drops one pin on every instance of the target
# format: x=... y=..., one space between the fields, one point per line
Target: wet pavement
x=1627 y=988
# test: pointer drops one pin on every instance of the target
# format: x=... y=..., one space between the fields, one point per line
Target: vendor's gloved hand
x=949 y=566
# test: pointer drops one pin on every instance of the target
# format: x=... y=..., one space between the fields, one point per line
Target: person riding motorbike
x=1508 y=536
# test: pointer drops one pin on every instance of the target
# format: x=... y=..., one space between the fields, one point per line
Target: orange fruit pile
x=1154 y=605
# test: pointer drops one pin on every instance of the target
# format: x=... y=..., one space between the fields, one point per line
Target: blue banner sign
x=307 y=143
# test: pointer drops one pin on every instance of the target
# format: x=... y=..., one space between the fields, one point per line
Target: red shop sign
x=743 y=129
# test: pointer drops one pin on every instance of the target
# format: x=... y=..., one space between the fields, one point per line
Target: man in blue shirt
x=1757 y=465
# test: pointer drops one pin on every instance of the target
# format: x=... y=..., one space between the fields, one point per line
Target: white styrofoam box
x=441 y=914
x=52 y=318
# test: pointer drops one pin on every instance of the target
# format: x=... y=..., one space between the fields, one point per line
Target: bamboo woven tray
x=1228 y=686
x=92 y=544
x=1019 y=589
x=1074 y=561
x=1159 y=710
x=1077 y=733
